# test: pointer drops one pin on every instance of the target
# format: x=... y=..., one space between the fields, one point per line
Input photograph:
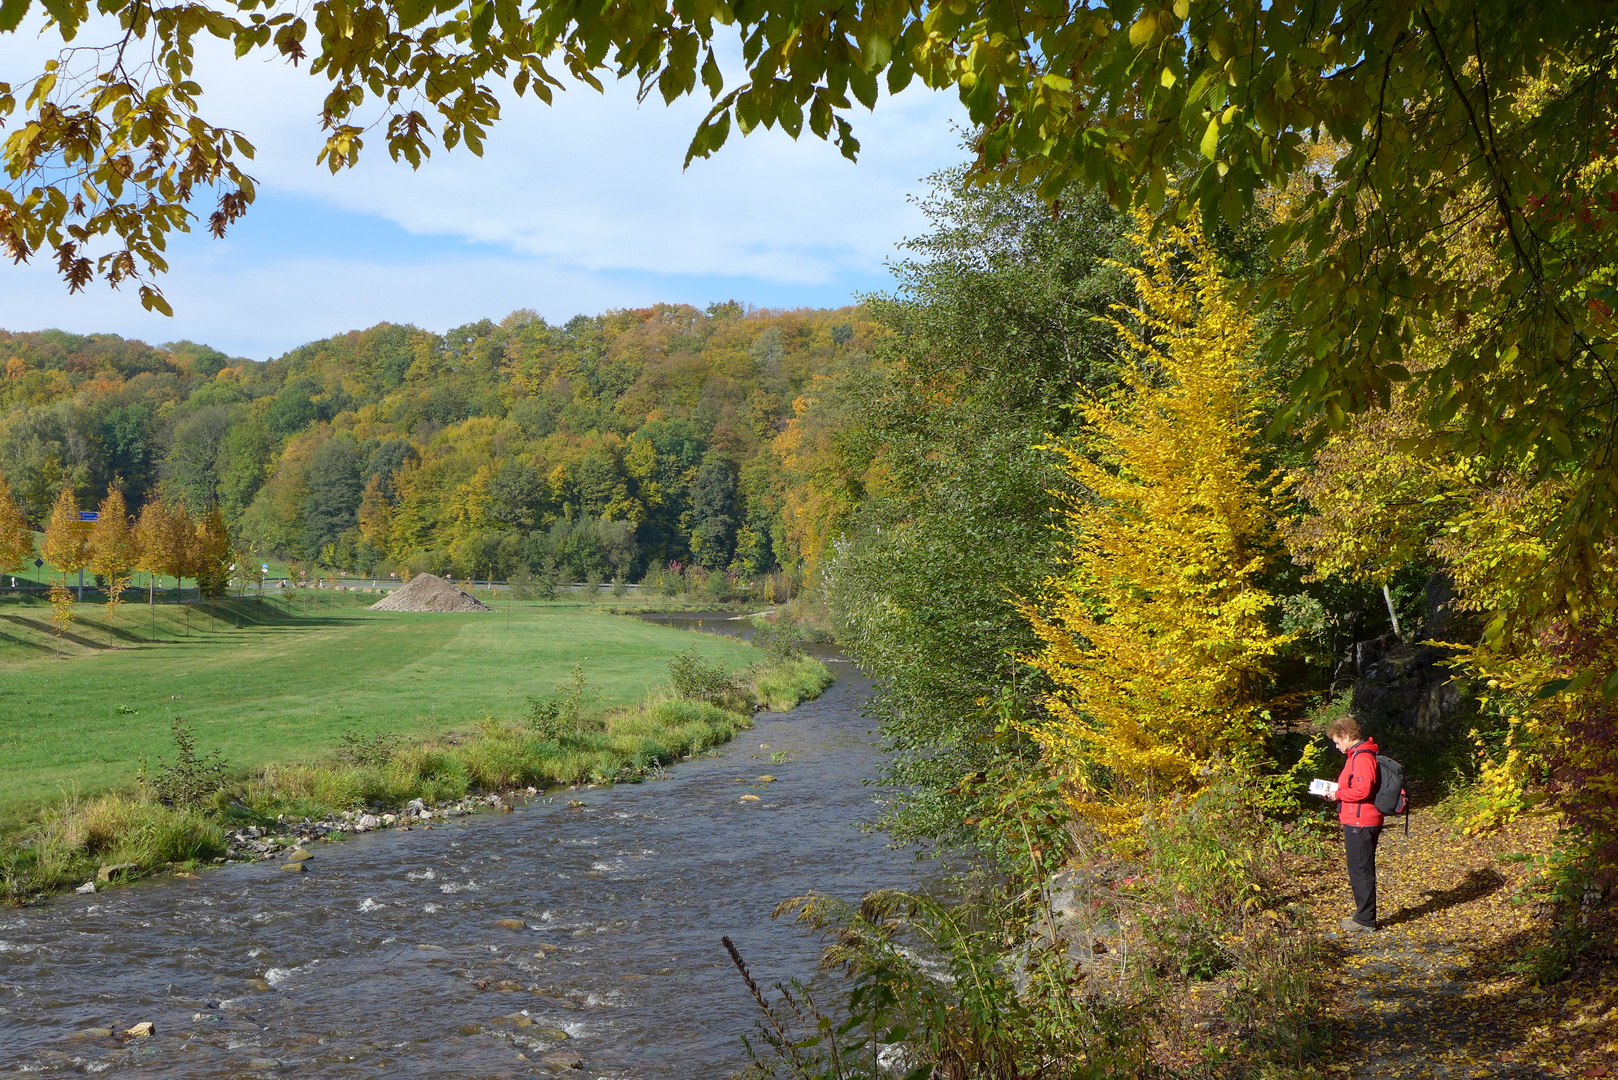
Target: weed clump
x=562 y=713
x=373 y=752
x=192 y=778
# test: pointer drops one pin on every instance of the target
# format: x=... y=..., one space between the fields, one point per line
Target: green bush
x=696 y=678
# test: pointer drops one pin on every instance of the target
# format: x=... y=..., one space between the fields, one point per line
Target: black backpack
x=1388 y=796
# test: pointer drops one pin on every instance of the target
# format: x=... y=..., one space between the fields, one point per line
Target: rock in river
x=142 y=1030
x=565 y=1059
x=512 y=924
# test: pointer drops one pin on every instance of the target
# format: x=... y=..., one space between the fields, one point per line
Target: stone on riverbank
x=107 y=873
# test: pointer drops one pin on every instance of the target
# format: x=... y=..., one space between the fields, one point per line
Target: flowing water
x=387 y=958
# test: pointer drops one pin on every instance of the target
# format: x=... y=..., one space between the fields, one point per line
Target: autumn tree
x=150 y=531
x=1157 y=639
x=66 y=537
x=16 y=538
x=168 y=541
x=214 y=554
x=113 y=548
x=67 y=550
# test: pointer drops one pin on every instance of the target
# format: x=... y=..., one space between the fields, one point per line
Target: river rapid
x=389 y=957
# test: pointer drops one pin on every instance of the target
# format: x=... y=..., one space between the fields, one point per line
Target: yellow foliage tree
x=179 y=540
x=113 y=547
x=1157 y=639
x=213 y=554
x=67 y=550
x=149 y=533
x=16 y=538
x=66 y=537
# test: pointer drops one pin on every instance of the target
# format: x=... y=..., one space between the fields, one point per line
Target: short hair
x=1344 y=727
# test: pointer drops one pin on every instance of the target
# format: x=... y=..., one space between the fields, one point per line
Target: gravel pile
x=428 y=592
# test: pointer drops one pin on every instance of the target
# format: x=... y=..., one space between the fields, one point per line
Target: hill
x=604 y=447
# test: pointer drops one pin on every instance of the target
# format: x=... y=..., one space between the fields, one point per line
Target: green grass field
x=284 y=685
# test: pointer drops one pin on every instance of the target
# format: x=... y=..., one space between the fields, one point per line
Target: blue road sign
x=89 y=515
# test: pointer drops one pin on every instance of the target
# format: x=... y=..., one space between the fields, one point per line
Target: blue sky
x=577 y=207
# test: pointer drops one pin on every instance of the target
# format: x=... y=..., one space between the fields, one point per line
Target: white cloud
x=578 y=206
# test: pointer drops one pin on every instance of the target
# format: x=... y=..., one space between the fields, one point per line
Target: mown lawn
x=288 y=683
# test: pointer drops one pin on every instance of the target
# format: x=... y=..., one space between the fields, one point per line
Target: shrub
x=693 y=677
x=561 y=714
x=192 y=778
x=530 y=586
x=778 y=638
x=374 y=752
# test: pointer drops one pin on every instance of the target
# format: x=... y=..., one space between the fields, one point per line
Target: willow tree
x=1157 y=638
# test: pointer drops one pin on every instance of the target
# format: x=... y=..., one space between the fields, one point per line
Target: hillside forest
x=602 y=448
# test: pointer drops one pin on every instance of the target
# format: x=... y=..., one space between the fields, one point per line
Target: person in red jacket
x=1361 y=820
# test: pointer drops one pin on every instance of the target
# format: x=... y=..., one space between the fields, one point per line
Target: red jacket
x=1356 y=784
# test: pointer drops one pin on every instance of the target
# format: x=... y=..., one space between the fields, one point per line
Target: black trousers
x=1360 y=843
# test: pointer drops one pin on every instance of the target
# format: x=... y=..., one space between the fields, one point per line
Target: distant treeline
x=605 y=447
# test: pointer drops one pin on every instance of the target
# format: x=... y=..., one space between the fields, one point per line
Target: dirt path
x=1436 y=993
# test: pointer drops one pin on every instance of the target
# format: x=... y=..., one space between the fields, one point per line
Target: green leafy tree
x=995 y=335
x=331 y=506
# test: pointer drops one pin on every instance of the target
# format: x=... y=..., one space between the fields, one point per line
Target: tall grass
x=77 y=837
x=500 y=755
x=781 y=686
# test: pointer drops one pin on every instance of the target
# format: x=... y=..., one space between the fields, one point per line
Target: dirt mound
x=428 y=592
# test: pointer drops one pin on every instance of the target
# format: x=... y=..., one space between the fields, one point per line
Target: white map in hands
x=1324 y=788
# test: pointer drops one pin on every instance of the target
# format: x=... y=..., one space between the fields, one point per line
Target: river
x=388 y=957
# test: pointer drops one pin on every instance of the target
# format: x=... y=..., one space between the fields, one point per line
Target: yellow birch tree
x=1157 y=639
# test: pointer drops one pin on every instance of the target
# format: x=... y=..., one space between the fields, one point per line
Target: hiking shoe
x=1353 y=927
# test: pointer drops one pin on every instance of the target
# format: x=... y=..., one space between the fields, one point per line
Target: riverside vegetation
x=1112 y=698
x=186 y=801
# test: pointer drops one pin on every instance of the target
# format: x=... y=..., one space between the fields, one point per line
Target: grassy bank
x=141 y=834
x=286 y=685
